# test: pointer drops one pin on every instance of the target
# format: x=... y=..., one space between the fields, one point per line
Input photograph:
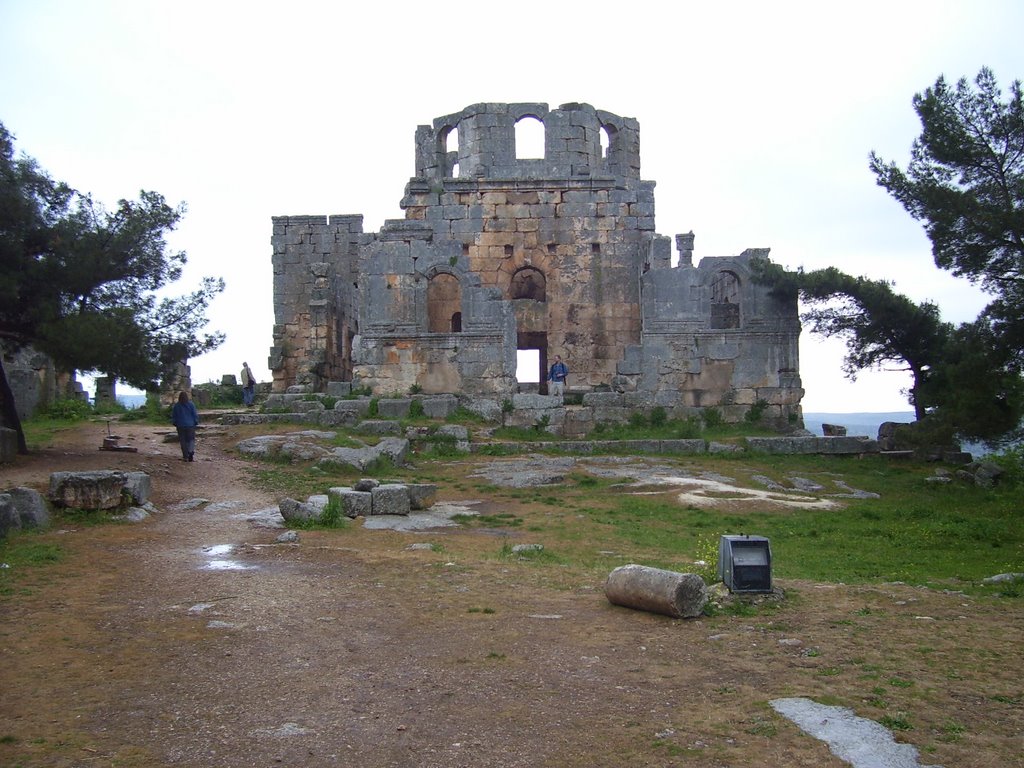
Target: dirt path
x=353 y=650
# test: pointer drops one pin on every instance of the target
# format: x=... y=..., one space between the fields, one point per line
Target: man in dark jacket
x=185 y=417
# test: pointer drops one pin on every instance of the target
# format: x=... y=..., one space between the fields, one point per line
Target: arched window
x=607 y=140
x=529 y=138
x=725 y=300
x=528 y=283
x=444 y=304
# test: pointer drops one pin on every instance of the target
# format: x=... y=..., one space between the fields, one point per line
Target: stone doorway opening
x=531 y=362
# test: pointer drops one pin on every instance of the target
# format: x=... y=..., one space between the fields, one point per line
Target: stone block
x=140 y=486
x=535 y=402
x=439 y=406
x=353 y=503
x=101 y=489
x=360 y=406
x=456 y=431
x=422 y=495
x=294 y=511
x=390 y=499
x=604 y=399
x=30 y=507
x=396 y=408
x=380 y=427
x=638 y=400
x=683 y=446
x=8 y=445
x=339 y=388
x=336 y=418
x=9 y=518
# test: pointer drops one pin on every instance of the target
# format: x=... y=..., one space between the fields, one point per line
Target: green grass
x=21 y=554
x=941 y=536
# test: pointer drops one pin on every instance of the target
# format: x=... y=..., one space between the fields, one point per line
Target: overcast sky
x=756 y=120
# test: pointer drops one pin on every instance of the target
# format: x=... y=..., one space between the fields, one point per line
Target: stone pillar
x=680 y=595
x=106 y=390
x=684 y=244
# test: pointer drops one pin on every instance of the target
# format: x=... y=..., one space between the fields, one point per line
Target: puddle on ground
x=219 y=562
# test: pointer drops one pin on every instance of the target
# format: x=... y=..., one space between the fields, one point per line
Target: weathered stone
x=812 y=445
x=9 y=518
x=366 y=484
x=31 y=507
x=101 y=489
x=454 y=431
x=439 y=406
x=716 y=447
x=8 y=445
x=518 y=549
x=390 y=499
x=294 y=511
x=833 y=430
x=380 y=427
x=392 y=448
x=139 y=485
x=480 y=265
x=680 y=595
x=336 y=418
x=395 y=408
x=339 y=388
x=353 y=503
x=695 y=445
x=421 y=495
x=360 y=406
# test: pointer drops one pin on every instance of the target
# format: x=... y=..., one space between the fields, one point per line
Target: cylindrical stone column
x=679 y=595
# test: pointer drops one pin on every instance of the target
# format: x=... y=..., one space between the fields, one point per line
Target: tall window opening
x=444 y=302
x=725 y=301
x=529 y=138
x=606 y=140
x=451 y=152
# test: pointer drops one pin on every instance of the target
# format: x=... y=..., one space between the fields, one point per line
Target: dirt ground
x=193 y=639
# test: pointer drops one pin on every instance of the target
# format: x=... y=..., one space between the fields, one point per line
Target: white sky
x=756 y=120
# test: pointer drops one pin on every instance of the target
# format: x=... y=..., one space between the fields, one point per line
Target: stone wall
x=35 y=381
x=499 y=253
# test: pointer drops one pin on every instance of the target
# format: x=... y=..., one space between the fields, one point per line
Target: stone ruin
x=559 y=255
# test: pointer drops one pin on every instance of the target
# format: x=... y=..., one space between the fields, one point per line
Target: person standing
x=185 y=417
x=557 y=375
x=248 y=385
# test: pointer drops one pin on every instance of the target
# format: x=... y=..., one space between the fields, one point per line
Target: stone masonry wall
x=498 y=253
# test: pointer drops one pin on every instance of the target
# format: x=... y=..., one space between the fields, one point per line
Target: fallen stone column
x=679 y=595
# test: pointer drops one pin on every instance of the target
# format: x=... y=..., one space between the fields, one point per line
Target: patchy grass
x=24 y=557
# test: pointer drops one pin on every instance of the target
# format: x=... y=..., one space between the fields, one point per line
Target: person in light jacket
x=248 y=385
x=185 y=417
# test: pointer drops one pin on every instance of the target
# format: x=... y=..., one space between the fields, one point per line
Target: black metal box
x=745 y=563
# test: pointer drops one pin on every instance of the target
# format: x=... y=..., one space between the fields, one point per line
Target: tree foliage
x=84 y=284
x=965 y=182
x=881 y=327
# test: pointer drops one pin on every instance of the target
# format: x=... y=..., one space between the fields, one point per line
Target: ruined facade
x=499 y=253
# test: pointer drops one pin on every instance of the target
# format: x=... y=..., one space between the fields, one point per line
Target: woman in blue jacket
x=185 y=417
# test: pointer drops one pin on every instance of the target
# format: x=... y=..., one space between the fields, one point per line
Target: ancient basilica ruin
x=556 y=255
